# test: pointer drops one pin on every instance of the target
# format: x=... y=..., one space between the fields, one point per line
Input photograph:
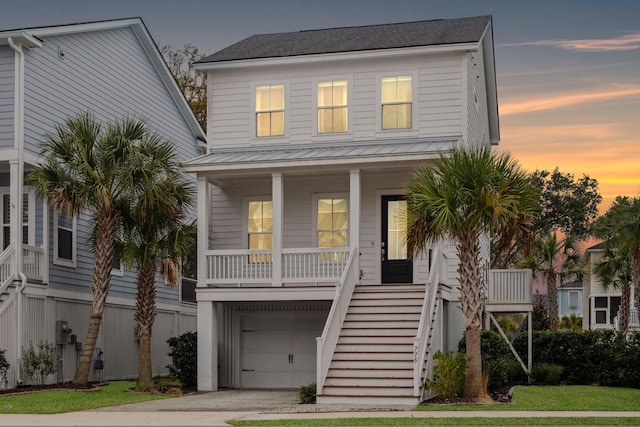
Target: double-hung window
x=332 y=106
x=270 y=110
x=332 y=223
x=260 y=228
x=64 y=239
x=397 y=96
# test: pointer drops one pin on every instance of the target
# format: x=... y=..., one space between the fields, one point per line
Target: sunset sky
x=568 y=72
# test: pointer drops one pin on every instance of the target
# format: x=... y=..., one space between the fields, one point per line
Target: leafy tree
x=192 y=83
x=555 y=259
x=464 y=195
x=540 y=315
x=41 y=362
x=98 y=170
x=156 y=238
x=571 y=322
x=567 y=204
x=615 y=272
x=620 y=227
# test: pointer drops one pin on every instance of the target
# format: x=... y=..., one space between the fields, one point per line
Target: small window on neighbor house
x=397 y=94
x=64 y=239
x=270 y=110
x=573 y=299
x=332 y=106
x=332 y=223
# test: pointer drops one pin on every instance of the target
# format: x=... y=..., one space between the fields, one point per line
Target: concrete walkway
x=214 y=409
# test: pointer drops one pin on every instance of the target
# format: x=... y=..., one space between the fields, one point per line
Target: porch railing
x=509 y=286
x=300 y=265
x=33 y=259
x=326 y=343
x=7 y=267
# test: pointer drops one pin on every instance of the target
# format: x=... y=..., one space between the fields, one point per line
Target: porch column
x=15 y=212
x=204 y=211
x=207 y=327
x=277 y=199
x=354 y=216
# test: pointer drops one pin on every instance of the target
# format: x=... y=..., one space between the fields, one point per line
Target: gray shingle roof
x=350 y=39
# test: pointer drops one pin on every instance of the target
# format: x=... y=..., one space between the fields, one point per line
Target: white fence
x=509 y=286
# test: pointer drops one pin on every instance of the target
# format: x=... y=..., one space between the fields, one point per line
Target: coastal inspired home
x=601 y=306
x=303 y=273
x=112 y=69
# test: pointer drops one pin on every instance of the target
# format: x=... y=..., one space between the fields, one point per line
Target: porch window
x=332 y=223
x=332 y=106
x=6 y=220
x=270 y=110
x=606 y=309
x=396 y=102
x=260 y=228
x=64 y=239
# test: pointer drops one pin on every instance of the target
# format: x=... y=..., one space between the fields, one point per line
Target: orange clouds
x=627 y=42
x=551 y=102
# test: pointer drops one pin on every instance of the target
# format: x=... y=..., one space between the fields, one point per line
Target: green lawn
x=558 y=398
x=58 y=401
x=551 y=421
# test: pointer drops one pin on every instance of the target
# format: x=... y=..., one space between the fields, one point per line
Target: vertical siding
x=7 y=96
x=8 y=313
x=119 y=343
x=77 y=315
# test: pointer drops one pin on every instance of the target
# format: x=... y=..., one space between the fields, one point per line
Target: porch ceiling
x=334 y=156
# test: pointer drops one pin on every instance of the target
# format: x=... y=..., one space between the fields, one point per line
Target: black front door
x=396 y=267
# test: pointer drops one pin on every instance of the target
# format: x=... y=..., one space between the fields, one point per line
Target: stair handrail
x=421 y=342
x=326 y=343
x=7 y=272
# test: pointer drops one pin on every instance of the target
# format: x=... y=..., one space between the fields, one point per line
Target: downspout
x=19 y=145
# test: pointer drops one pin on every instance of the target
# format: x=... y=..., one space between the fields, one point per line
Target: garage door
x=278 y=350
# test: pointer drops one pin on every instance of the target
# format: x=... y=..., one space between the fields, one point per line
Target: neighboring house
x=600 y=310
x=303 y=269
x=570 y=299
x=112 y=69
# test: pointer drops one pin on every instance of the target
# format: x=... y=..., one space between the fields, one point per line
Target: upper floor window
x=64 y=239
x=270 y=110
x=332 y=223
x=332 y=106
x=397 y=95
x=6 y=221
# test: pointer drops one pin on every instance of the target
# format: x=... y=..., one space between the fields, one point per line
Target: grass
x=58 y=401
x=558 y=398
x=544 y=421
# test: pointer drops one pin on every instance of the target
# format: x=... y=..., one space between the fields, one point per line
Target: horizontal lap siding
x=109 y=74
x=477 y=117
x=438 y=89
x=7 y=96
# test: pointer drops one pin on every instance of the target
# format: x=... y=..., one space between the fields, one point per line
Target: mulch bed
x=31 y=388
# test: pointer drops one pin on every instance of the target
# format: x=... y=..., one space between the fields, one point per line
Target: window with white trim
x=260 y=228
x=332 y=106
x=573 y=299
x=332 y=222
x=269 y=110
x=6 y=220
x=397 y=96
x=64 y=239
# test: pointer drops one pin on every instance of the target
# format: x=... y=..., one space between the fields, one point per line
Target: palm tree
x=614 y=271
x=464 y=195
x=571 y=323
x=620 y=227
x=155 y=237
x=90 y=168
x=555 y=259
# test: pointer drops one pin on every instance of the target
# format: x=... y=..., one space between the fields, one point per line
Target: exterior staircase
x=373 y=362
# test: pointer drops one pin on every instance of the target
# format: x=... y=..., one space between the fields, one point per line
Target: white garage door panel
x=278 y=350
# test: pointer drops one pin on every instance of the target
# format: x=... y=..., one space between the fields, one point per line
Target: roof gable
x=352 y=39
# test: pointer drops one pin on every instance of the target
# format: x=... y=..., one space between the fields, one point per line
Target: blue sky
x=568 y=71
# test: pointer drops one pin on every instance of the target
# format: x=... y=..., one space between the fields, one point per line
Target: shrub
x=39 y=363
x=168 y=385
x=184 y=358
x=546 y=374
x=308 y=393
x=448 y=374
x=4 y=369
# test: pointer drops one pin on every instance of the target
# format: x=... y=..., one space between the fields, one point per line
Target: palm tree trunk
x=145 y=316
x=103 y=262
x=472 y=305
x=552 y=293
x=625 y=304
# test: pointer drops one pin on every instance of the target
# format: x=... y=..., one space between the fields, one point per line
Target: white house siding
x=437 y=88
x=8 y=336
x=477 y=117
x=7 y=96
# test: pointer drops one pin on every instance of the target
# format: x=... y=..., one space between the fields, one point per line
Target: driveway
x=223 y=400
